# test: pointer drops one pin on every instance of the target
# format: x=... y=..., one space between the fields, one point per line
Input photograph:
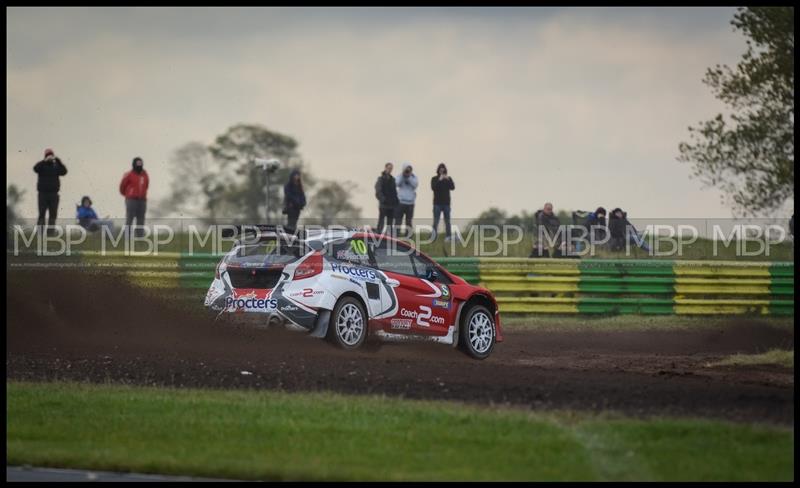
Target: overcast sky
x=582 y=107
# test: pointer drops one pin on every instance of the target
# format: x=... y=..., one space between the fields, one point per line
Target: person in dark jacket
x=294 y=200
x=442 y=184
x=596 y=223
x=49 y=171
x=547 y=226
x=386 y=193
x=622 y=231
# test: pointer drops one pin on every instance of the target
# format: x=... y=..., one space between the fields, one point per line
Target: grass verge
x=780 y=357
x=272 y=435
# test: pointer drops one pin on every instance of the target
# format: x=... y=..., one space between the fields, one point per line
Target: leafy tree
x=492 y=216
x=749 y=154
x=237 y=186
x=189 y=165
x=13 y=198
x=221 y=180
x=331 y=204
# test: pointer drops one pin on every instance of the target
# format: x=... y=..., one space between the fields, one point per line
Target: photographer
x=442 y=185
x=406 y=194
x=49 y=171
x=294 y=200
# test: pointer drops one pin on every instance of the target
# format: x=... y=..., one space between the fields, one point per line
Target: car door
x=353 y=254
x=442 y=303
x=414 y=313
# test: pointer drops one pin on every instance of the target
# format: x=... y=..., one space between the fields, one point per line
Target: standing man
x=406 y=194
x=442 y=185
x=50 y=170
x=294 y=200
x=134 y=188
x=386 y=193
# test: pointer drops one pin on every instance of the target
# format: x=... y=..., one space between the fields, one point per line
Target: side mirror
x=431 y=273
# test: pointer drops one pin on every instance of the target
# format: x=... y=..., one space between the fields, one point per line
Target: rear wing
x=253 y=233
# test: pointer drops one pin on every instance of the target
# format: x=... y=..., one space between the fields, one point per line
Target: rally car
x=351 y=288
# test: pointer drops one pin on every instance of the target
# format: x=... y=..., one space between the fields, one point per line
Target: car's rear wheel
x=477 y=332
x=348 y=327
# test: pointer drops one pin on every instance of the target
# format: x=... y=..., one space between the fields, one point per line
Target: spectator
x=622 y=231
x=133 y=187
x=547 y=225
x=406 y=194
x=87 y=218
x=594 y=224
x=442 y=185
x=597 y=226
x=49 y=172
x=294 y=200
x=386 y=193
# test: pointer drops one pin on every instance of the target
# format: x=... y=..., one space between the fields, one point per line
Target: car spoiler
x=262 y=232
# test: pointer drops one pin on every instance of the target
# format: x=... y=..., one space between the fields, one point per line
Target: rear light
x=312 y=266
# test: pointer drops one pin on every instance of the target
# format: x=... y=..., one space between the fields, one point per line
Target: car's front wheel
x=348 y=328
x=477 y=332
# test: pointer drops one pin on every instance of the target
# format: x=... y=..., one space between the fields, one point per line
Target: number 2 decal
x=423 y=316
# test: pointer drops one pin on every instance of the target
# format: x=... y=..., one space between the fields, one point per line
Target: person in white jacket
x=406 y=194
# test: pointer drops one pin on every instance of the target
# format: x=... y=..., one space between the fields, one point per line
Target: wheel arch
x=477 y=298
x=358 y=297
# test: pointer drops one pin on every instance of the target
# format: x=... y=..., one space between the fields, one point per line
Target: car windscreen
x=266 y=253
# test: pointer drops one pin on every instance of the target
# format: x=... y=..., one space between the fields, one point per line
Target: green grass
x=271 y=435
x=634 y=322
x=780 y=357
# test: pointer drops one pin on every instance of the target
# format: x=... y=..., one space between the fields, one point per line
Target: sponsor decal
x=289 y=308
x=355 y=272
x=445 y=291
x=437 y=302
x=424 y=317
x=348 y=255
x=400 y=324
x=251 y=303
x=306 y=293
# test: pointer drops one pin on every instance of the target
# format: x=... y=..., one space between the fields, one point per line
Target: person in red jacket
x=134 y=188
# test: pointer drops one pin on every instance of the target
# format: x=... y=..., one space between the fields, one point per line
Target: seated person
x=596 y=224
x=87 y=217
x=623 y=232
x=548 y=229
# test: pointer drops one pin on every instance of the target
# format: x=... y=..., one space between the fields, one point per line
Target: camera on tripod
x=269 y=165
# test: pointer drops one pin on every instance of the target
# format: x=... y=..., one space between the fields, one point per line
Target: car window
x=421 y=264
x=394 y=258
x=349 y=250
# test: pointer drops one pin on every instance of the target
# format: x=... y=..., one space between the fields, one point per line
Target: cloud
x=581 y=107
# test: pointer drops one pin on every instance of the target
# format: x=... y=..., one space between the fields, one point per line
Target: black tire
x=476 y=335
x=348 y=327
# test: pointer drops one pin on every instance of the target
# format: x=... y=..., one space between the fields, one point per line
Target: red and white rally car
x=354 y=286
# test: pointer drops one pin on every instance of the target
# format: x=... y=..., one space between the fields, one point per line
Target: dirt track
x=70 y=326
